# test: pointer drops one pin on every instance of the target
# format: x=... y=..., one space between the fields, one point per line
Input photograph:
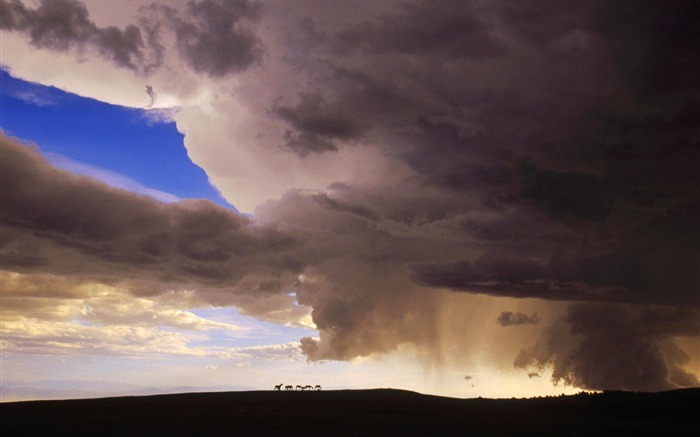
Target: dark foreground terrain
x=357 y=412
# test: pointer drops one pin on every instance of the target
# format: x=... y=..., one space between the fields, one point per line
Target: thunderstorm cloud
x=411 y=170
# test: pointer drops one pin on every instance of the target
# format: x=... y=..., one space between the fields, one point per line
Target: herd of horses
x=298 y=387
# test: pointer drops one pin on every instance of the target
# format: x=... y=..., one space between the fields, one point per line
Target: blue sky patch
x=98 y=139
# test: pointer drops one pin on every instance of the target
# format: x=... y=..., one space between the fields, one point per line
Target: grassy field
x=358 y=413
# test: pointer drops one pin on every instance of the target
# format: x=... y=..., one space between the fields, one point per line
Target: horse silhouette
x=298 y=387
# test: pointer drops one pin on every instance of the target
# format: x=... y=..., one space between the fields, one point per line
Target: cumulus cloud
x=270 y=352
x=616 y=347
x=50 y=314
x=60 y=315
x=314 y=128
x=58 y=223
x=65 y=24
x=550 y=177
x=210 y=35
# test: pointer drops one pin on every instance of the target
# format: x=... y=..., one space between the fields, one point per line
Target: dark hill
x=357 y=412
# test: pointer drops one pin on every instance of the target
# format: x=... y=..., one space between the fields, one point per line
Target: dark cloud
x=543 y=165
x=214 y=37
x=64 y=24
x=315 y=128
x=629 y=275
x=423 y=28
x=565 y=194
x=655 y=45
x=616 y=347
x=636 y=214
x=76 y=227
x=328 y=202
x=549 y=22
x=509 y=318
x=355 y=283
x=353 y=322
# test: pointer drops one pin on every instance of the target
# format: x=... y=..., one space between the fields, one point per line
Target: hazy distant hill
x=358 y=412
x=76 y=389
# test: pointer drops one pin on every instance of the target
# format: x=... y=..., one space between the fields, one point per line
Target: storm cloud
x=552 y=175
x=405 y=165
x=616 y=347
x=72 y=226
x=211 y=37
x=65 y=24
x=314 y=128
x=422 y=28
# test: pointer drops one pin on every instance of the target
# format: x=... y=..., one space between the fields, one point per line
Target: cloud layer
x=72 y=226
x=398 y=159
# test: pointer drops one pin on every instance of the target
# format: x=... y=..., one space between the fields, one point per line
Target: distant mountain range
x=82 y=389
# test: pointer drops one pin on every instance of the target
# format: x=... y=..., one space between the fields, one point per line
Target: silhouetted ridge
x=357 y=412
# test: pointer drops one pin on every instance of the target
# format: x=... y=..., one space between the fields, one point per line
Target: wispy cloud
x=109 y=177
x=35 y=98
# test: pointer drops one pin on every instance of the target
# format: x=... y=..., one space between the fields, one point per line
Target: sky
x=461 y=198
